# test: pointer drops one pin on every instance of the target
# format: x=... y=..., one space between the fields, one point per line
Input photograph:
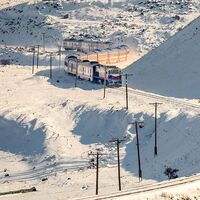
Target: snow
x=63 y=125
x=172 y=69
x=48 y=127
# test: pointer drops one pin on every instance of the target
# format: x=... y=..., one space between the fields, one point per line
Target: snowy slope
x=141 y=24
x=47 y=128
x=172 y=69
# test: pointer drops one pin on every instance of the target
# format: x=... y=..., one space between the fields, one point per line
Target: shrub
x=171 y=173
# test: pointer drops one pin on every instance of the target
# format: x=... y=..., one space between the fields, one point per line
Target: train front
x=114 y=77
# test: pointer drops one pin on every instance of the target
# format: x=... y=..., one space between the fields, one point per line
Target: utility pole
x=33 y=66
x=43 y=39
x=118 y=141
x=137 y=123
x=38 y=51
x=98 y=155
x=126 y=82
x=50 y=65
x=156 y=109
x=104 y=82
x=76 y=74
x=59 y=56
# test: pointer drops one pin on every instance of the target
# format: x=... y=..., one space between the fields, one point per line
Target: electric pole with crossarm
x=98 y=155
x=156 y=109
x=137 y=123
x=126 y=83
x=33 y=66
x=118 y=141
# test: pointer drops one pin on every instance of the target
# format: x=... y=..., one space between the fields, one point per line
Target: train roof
x=72 y=56
x=94 y=62
x=86 y=41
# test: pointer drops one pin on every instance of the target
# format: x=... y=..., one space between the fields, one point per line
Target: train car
x=93 y=71
x=71 y=64
x=85 y=45
x=85 y=70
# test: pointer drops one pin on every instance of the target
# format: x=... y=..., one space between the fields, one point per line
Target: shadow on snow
x=177 y=147
x=61 y=79
x=19 y=138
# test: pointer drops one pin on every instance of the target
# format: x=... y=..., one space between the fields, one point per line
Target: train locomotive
x=93 y=71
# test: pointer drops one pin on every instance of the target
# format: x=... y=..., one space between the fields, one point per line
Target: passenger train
x=84 y=45
x=93 y=71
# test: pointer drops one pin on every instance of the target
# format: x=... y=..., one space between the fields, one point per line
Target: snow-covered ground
x=48 y=127
x=143 y=24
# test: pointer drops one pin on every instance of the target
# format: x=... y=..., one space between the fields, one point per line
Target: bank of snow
x=172 y=69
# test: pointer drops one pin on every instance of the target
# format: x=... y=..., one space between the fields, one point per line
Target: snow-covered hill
x=48 y=127
x=173 y=68
x=141 y=24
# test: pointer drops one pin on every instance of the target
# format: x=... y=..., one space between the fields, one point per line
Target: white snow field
x=48 y=127
x=172 y=69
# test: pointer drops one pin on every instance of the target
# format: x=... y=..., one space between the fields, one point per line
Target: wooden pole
x=155 y=145
x=33 y=66
x=59 y=57
x=138 y=152
x=126 y=77
x=76 y=73
x=97 y=174
x=118 y=141
x=43 y=38
x=97 y=154
x=38 y=49
x=104 y=88
x=138 y=148
x=50 y=75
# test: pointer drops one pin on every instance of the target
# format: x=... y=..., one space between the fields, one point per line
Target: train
x=85 y=45
x=93 y=71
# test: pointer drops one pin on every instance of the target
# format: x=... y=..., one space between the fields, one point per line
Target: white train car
x=71 y=64
x=84 y=45
x=85 y=70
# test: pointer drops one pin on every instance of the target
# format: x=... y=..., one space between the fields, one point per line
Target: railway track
x=162 y=99
x=146 y=188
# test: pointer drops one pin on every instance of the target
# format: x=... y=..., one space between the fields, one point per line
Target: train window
x=114 y=72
